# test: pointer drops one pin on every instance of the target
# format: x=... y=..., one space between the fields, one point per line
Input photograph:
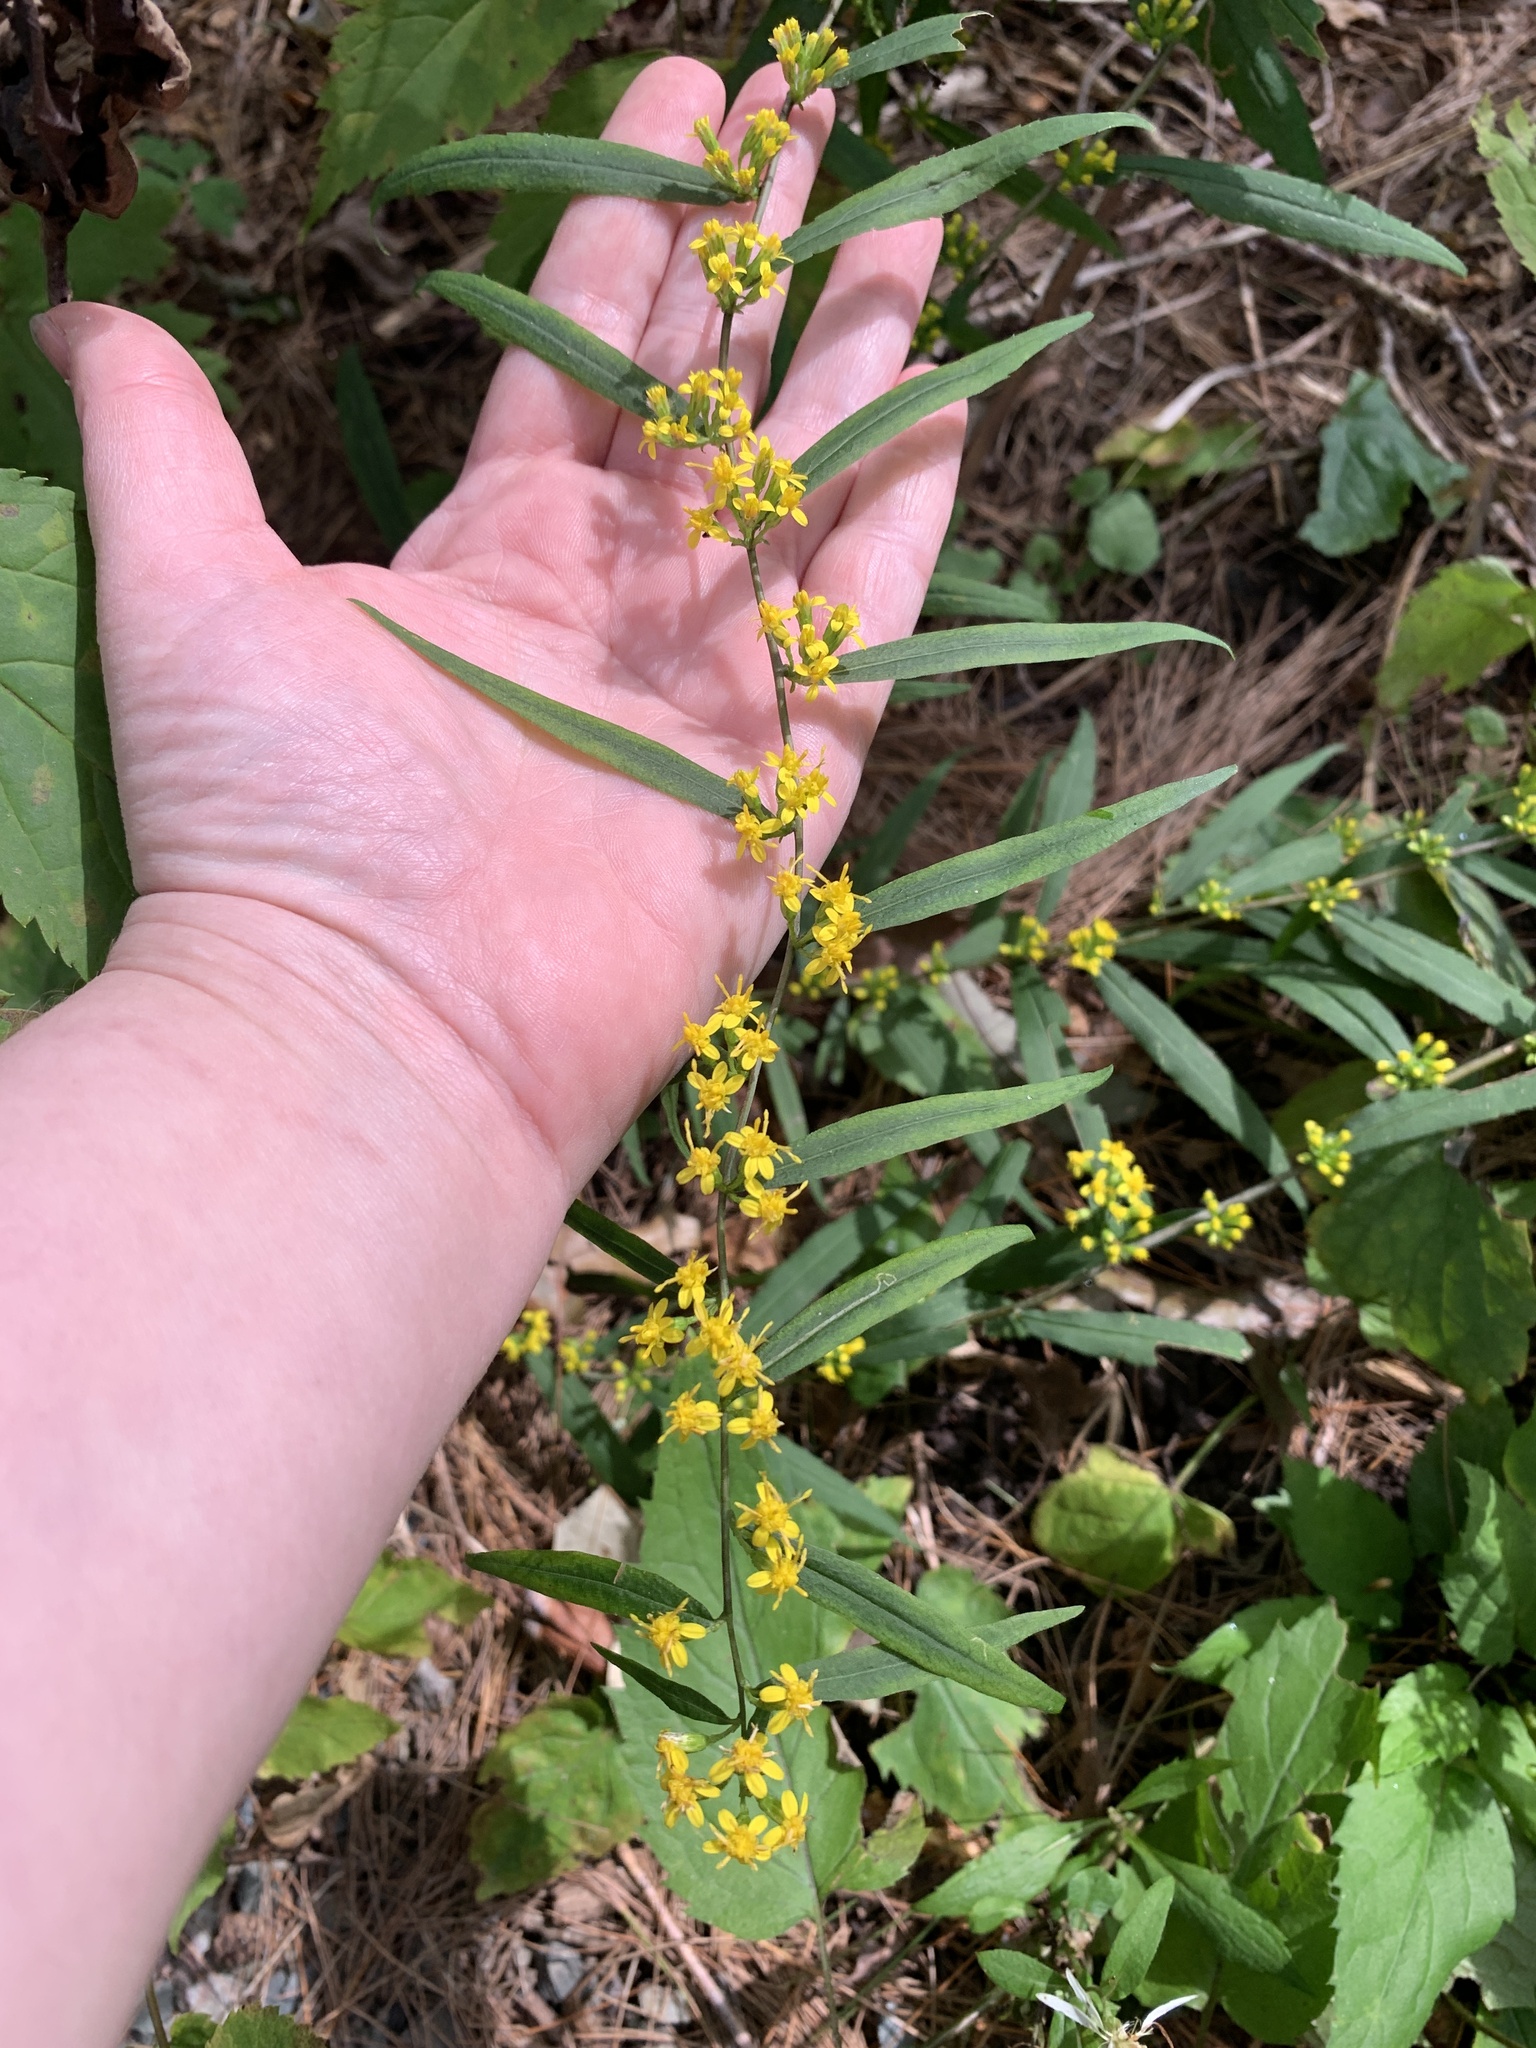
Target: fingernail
x=52 y=336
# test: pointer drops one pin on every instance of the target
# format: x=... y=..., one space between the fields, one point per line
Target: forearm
x=267 y=1221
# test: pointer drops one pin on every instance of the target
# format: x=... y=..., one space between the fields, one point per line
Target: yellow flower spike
x=794 y=1812
x=760 y=1424
x=714 y=1090
x=1091 y=945
x=669 y=1636
x=747 y=1759
x=704 y=1167
x=771 y=1517
x=1327 y=1153
x=793 y=1698
x=691 y=1279
x=1116 y=1207
x=1031 y=941
x=688 y=1416
x=744 y=1841
x=681 y=1795
x=770 y=1207
x=780 y=1573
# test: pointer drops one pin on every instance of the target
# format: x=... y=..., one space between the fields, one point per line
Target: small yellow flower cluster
x=576 y=1353
x=741 y=262
x=876 y=986
x=1114 y=1192
x=1520 y=813
x=770 y=1517
x=726 y=1047
x=837 y=930
x=735 y=1362
x=1091 y=945
x=1424 y=1064
x=813 y=659
x=756 y=487
x=669 y=1636
x=1156 y=23
x=964 y=246
x=807 y=61
x=934 y=965
x=1214 y=899
x=1350 y=833
x=532 y=1333
x=767 y=133
x=1327 y=1153
x=1324 y=897
x=1084 y=162
x=705 y=410
x=1433 y=848
x=681 y=1791
x=1030 y=940
x=930 y=325
x=798 y=792
x=837 y=1366
x=1224 y=1224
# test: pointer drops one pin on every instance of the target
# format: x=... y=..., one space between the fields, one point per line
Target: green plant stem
x=860 y=1995
x=1294 y=896
x=1483 y=1059
x=726 y=320
x=157 y=2024
x=1479 y=2024
x=727 y=1590
x=1208 y=2010
x=1210 y=1443
x=828 y=1981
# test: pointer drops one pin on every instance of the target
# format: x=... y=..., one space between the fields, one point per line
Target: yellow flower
x=788 y=884
x=1224 y=1224
x=1091 y=945
x=737 y=1009
x=704 y=1167
x=876 y=986
x=772 y=1516
x=775 y=623
x=669 y=1636
x=793 y=1813
x=807 y=61
x=673 y=1751
x=682 y=1794
x=753 y=834
x=837 y=1366
x=1424 y=1064
x=652 y=1336
x=690 y=1280
x=760 y=1155
x=717 y=1333
x=690 y=1417
x=533 y=1333
x=1116 y=1206
x=697 y=1039
x=703 y=525
x=1324 y=897
x=754 y=1045
x=739 y=1370
x=760 y=1424
x=747 y=1759
x=1084 y=162
x=770 y=1206
x=1031 y=941
x=744 y=1841
x=794 y=1698
x=1327 y=1152
x=714 y=1090
x=1214 y=899
x=780 y=1573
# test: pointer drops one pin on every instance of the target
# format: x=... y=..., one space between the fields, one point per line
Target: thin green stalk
x=829 y=1983
x=1208 y=2010
x=727 y=1590
x=726 y=320
x=1479 y=2024
x=861 y=1992
x=156 y=2023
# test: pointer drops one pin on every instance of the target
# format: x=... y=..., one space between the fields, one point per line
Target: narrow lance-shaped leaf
x=550 y=163
x=641 y=759
x=1294 y=207
x=1426 y=1113
x=1239 y=1932
x=874 y=1674
x=588 y=1581
x=1186 y=1059
x=869 y=1298
x=621 y=1244
x=991 y=871
x=919 y=1631
x=1126 y=1335
x=1137 y=1943
x=517 y=321
x=959 y=647
x=881 y=1134
x=916 y=397
x=1236 y=820
x=937 y=37
x=1423 y=962
x=682 y=1699
x=941 y=183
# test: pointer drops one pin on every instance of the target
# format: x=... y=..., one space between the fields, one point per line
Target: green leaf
x=879 y=1134
x=962 y=597
x=517 y=321
x=1068 y=794
x=621 y=1244
x=1253 y=75
x=682 y=1699
x=1022 y=1977
x=1349 y=1541
x=192 y=2029
x=1116 y=1523
x=1173 y=1781
x=1512 y=179
x=1425 y=1877
x=370 y=455
x=63 y=862
x=260 y=2027
x=1123 y=535
x=883 y=1859
x=321 y=1734
x=1328 y=993
x=941 y=183
x=1299 y=208
x=209 y=1878
x=826 y=1255
x=641 y=759
x=1423 y=1113
x=993 y=870
x=1372 y=459
x=1427 y=1717
x=409 y=72
x=1421 y=962
x=1040 y=1018
x=1454 y=1274
x=1472 y=1432
x=1295 y=22
x=919 y=1631
x=1519 y=1460
x=1188 y=1061
x=1489 y=1579
x=888 y=841
x=939 y=36
x=874 y=1674
x=1506 y=1756
x=1238 y=1932
x=588 y=1581
x=1464 y=619
x=565 y=1798
x=1132 y=1951
x=962 y=647
x=1001 y=1882
x=1126 y=1335
x=396 y=1597
x=1506 y=1966
x=872 y=1297
x=1231 y=835
x=916 y=397
x=540 y=162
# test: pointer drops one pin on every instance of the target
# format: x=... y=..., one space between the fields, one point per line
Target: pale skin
x=399 y=974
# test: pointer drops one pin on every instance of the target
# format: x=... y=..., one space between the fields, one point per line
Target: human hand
x=275 y=747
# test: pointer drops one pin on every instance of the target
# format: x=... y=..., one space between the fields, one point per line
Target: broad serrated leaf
x=1372 y=459
x=1350 y=1542
x=881 y=1134
x=1187 y=1060
x=631 y=753
x=260 y=2027
x=517 y=321
x=1022 y=1977
x=1512 y=178
x=1486 y=1578
x=1425 y=1877
x=882 y=1859
x=919 y=1631
x=938 y=36
x=63 y=863
x=538 y=162
x=875 y=1296
x=1421 y=962
x=1298 y=208
x=321 y=1734
x=1506 y=1757
x=1131 y=1953
x=1238 y=1932
x=621 y=1244
x=1428 y=1717
x=565 y=1797
x=874 y=1674
x=1127 y=1335
x=396 y=1598
x=1233 y=829
x=682 y=1699
x=916 y=397
x=993 y=870
x=588 y=1581
x=964 y=647
x=1001 y=1882
x=410 y=72
x=941 y=183
x=1249 y=69
x=1466 y=617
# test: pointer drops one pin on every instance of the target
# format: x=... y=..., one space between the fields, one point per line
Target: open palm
x=273 y=743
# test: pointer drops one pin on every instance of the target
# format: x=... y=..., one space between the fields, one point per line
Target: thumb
x=173 y=507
